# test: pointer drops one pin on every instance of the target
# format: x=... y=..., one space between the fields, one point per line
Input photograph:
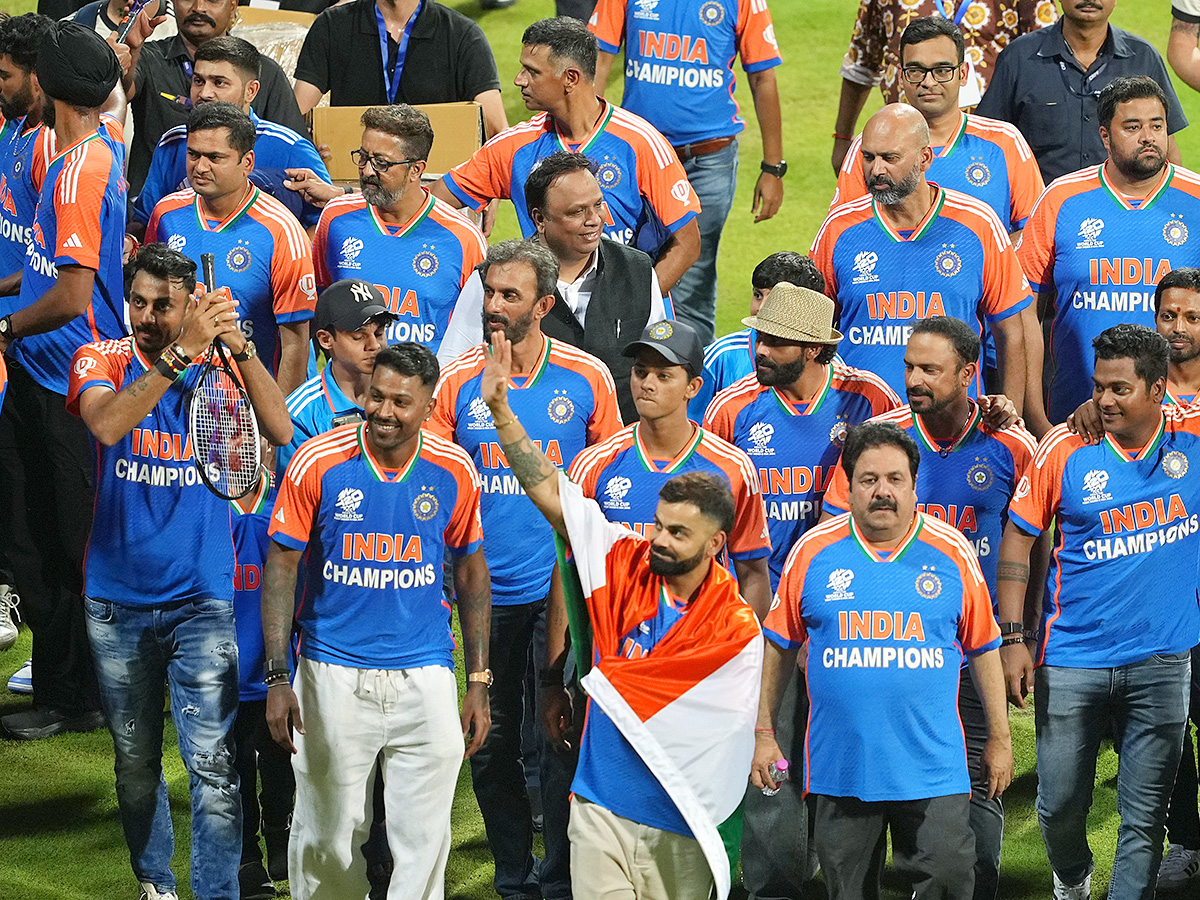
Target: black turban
x=76 y=65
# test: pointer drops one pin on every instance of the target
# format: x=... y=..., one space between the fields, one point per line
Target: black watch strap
x=778 y=171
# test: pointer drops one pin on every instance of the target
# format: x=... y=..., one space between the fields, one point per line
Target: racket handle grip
x=209 y=266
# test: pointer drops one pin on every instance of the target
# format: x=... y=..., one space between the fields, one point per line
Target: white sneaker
x=1179 y=867
x=1072 y=891
x=150 y=892
x=8 y=616
x=22 y=679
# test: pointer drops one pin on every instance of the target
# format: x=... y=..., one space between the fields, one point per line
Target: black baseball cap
x=675 y=341
x=350 y=304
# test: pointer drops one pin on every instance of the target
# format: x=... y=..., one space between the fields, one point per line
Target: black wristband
x=165 y=369
x=1007 y=628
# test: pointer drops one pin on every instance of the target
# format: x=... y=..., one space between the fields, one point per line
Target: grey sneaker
x=8 y=616
x=150 y=892
x=1179 y=867
x=1082 y=891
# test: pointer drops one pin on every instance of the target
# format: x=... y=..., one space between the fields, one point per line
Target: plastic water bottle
x=778 y=771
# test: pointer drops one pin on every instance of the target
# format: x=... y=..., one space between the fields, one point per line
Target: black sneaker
x=276 y=839
x=254 y=882
x=42 y=723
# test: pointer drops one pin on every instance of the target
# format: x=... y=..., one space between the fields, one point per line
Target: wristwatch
x=248 y=352
x=6 y=329
x=484 y=677
x=778 y=171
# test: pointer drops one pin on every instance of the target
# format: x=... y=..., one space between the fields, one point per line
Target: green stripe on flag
x=579 y=623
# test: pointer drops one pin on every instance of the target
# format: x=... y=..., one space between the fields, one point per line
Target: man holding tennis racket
x=160 y=566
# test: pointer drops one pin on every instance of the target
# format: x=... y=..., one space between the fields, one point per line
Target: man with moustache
x=159 y=80
x=969 y=473
x=567 y=401
x=911 y=249
x=1048 y=83
x=1100 y=239
x=160 y=567
x=375 y=675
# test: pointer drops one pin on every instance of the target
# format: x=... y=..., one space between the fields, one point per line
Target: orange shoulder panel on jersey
x=79 y=202
x=1020 y=443
x=661 y=178
x=43 y=151
x=114 y=126
x=1040 y=488
x=977 y=625
x=466 y=524
x=1184 y=418
x=756 y=33
x=608 y=22
x=587 y=465
x=338 y=206
x=468 y=235
x=606 y=415
x=165 y=205
x=487 y=175
x=1004 y=284
x=99 y=361
x=785 y=616
x=1035 y=249
x=850 y=181
x=844 y=216
x=1025 y=183
x=866 y=383
x=293 y=283
x=300 y=490
x=442 y=420
x=837 y=495
x=750 y=514
x=1186 y=180
x=725 y=407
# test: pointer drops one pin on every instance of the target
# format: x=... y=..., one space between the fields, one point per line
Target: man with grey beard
x=417 y=250
x=909 y=250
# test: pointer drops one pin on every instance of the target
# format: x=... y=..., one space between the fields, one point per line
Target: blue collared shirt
x=1040 y=87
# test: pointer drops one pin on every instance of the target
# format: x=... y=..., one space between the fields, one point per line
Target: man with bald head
x=910 y=249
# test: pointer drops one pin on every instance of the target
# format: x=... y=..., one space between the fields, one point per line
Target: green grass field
x=59 y=834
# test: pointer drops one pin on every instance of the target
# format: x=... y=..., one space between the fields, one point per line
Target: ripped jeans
x=192 y=646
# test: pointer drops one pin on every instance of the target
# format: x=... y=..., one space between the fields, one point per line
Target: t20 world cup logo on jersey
x=348 y=501
x=645 y=10
x=1089 y=230
x=614 y=492
x=351 y=247
x=864 y=265
x=1094 y=482
x=480 y=415
x=839 y=585
x=177 y=242
x=760 y=437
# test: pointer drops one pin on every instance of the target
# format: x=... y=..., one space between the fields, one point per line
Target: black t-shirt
x=308 y=6
x=448 y=59
x=163 y=87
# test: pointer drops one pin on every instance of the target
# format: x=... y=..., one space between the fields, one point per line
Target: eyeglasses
x=362 y=157
x=915 y=74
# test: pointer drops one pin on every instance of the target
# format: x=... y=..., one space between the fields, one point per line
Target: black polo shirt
x=448 y=59
x=1040 y=87
x=163 y=87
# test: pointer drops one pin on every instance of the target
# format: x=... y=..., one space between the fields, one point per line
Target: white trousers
x=409 y=719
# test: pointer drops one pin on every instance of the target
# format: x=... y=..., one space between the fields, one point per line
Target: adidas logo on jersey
x=73 y=242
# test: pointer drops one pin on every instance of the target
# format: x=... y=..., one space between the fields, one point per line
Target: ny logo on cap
x=361 y=292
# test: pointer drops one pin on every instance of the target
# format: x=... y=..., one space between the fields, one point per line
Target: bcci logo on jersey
x=864 y=265
x=348 y=501
x=980 y=477
x=425 y=263
x=712 y=13
x=614 y=492
x=560 y=410
x=645 y=10
x=928 y=585
x=351 y=247
x=1175 y=464
x=425 y=506
x=238 y=259
x=609 y=175
x=837 y=434
x=839 y=585
x=1094 y=482
x=1089 y=230
x=480 y=415
x=948 y=263
x=1175 y=232
x=760 y=436
x=177 y=242
x=978 y=173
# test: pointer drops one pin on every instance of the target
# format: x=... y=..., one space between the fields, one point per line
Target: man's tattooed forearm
x=1185 y=27
x=1012 y=571
x=527 y=462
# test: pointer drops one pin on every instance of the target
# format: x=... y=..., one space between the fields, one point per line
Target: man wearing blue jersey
x=567 y=401
x=226 y=68
x=731 y=358
x=890 y=600
x=1107 y=650
x=969 y=473
x=156 y=615
x=72 y=292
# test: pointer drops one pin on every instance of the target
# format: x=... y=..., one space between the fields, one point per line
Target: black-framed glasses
x=915 y=74
x=361 y=157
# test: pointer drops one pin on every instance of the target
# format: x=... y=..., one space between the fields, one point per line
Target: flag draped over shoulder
x=689 y=707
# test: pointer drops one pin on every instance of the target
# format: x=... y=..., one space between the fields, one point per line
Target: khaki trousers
x=613 y=858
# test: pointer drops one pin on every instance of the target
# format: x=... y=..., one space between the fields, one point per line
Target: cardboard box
x=253 y=15
x=457 y=133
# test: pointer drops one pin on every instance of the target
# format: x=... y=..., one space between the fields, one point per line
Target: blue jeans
x=714 y=179
x=1146 y=704
x=193 y=647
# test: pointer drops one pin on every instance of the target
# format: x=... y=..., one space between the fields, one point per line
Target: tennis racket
x=224 y=430
x=126 y=23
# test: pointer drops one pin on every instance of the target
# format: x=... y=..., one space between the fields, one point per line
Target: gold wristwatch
x=248 y=352
x=484 y=677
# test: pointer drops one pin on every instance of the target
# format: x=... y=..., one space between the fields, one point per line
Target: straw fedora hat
x=796 y=314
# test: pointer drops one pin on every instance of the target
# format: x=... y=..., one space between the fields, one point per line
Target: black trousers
x=933 y=849
x=46 y=500
x=987 y=815
x=260 y=760
x=1183 y=815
